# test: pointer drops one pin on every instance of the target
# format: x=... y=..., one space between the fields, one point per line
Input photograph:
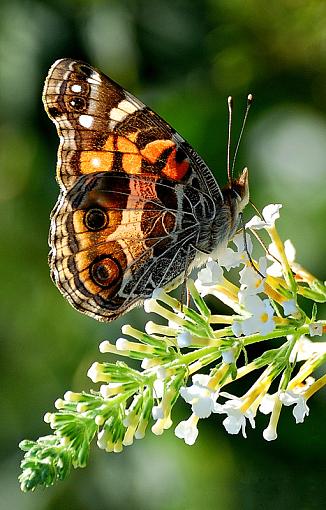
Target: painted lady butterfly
x=137 y=206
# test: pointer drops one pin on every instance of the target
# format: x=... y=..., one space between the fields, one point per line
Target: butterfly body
x=137 y=206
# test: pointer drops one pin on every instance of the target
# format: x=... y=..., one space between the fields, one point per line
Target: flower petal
x=187 y=430
x=256 y=223
x=211 y=274
x=271 y=213
x=289 y=307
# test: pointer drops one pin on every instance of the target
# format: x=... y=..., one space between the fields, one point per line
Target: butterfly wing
x=104 y=128
x=134 y=194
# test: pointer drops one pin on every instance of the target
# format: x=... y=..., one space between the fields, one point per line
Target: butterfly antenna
x=263 y=245
x=249 y=103
x=257 y=236
x=256 y=209
x=230 y=107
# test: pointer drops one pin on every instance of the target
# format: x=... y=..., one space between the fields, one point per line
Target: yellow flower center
x=264 y=317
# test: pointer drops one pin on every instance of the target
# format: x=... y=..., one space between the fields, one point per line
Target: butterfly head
x=236 y=194
x=239 y=189
x=216 y=233
x=236 y=197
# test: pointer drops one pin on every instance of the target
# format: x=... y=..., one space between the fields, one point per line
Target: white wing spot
x=96 y=162
x=127 y=106
x=94 y=79
x=76 y=88
x=118 y=115
x=86 y=120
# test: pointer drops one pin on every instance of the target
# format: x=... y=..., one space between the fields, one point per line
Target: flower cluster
x=194 y=355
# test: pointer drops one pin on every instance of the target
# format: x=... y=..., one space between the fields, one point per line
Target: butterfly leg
x=185 y=293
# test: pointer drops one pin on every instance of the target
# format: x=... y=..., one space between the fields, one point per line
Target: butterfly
x=138 y=207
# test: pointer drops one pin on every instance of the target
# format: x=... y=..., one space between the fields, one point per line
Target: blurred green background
x=183 y=58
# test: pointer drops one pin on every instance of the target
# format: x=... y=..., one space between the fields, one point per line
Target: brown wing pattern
x=103 y=128
x=133 y=194
x=113 y=244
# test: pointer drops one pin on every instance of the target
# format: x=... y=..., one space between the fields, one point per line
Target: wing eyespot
x=105 y=272
x=77 y=103
x=95 y=219
x=87 y=71
x=54 y=112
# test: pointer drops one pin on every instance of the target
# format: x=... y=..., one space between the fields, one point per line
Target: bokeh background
x=183 y=58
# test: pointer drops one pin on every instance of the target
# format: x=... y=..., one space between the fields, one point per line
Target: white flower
x=106 y=389
x=102 y=439
x=158 y=387
x=238 y=240
x=261 y=320
x=160 y=372
x=276 y=268
x=271 y=404
x=157 y=412
x=269 y=433
x=267 y=403
x=211 y=274
x=95 y=372
x=184 y=339
x=236 y=328
x=146 y=363
x=187 y=430
x=270 y=214
x=315 y=329
x=251 y=280
x=230 y=258
x=236 y=418
x=201 y=398
x=305 y=348
x=300 y=409
x=122 y=344
x=157 y=293
x=228 y=356
x=289 y=307
x=161 y=424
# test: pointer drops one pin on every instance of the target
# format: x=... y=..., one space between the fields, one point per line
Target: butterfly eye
x=106 y=272
x=95 y=219
x=78 y=103
x=236 y=194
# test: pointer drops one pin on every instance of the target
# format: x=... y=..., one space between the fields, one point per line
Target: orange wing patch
x=95 y=161
x=154 y=150
x=125 y=145
x=120 y=143
x=173 y=169
x=103 y=160
x=131 y=163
